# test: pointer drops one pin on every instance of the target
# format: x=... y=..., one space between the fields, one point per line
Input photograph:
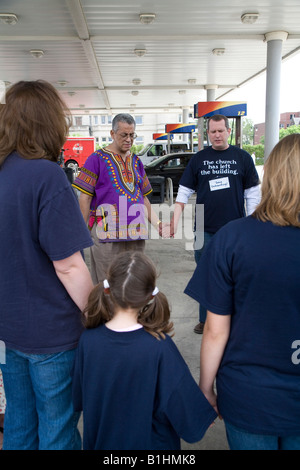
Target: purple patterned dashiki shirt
x=117 y=189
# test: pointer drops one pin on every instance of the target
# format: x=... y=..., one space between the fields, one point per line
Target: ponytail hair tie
x=156 y=291
x=106 y=286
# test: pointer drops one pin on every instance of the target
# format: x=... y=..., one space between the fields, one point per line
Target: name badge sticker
x=219 y=183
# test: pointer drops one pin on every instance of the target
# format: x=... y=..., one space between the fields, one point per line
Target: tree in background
x=258 y=150
x=248 y=142
x=289 y=130
x=248 y=132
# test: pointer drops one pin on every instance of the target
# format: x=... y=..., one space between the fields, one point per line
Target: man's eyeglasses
x=124 y=136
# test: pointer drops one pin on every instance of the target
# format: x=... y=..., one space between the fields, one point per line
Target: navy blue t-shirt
x=220 y=179
x=40 y=222
x=136 y=392
x=251 y=271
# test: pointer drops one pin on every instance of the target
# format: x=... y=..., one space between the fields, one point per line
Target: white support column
x=210 y=92
x=274 y=56
x=210 y=96
x=201 y=133
x=185 y=119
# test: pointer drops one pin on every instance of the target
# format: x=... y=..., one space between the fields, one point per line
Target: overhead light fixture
x=8 y=18
x=249 y=18
x=147 y=18
x=218 y=51
x=37 y=53
x=62 y=82
x=182 y=92
x=71 y=93
x=140 y=52
x=134 y=92
x=136 y=81
x=192 y=81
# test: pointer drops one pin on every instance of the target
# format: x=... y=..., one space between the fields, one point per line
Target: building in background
x=99 y=126
x=286 y=120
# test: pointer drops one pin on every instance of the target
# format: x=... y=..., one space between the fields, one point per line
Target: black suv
x=169 y=166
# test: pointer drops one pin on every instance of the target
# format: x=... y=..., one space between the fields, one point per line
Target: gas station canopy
x=120 y=56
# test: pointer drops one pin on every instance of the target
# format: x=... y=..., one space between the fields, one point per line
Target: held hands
x=166 y=230
x=170 y=229
x=212 y=399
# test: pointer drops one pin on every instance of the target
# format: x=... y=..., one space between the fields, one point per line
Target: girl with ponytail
x=129 y=298
x=132 y=384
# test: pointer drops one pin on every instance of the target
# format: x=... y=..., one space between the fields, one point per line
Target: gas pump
x=234 y=110
x=180 y=129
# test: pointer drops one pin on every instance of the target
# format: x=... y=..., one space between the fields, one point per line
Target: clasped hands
x=166 y=230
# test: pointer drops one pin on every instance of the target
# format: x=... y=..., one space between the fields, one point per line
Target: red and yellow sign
x=227 y=108
x=180 y=128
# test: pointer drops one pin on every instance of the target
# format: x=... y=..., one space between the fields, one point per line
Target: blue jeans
x=39 y=410
x=238 y=439
x=197 y=256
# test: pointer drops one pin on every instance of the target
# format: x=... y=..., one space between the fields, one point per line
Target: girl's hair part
x=132 y=280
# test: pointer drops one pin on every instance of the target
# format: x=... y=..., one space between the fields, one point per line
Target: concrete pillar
x=201 y=133
x=185 y=120
x=210 y=92
x=274 y=56
x=210 y=96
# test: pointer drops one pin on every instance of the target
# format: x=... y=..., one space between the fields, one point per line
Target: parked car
x=169 y=166
x=159 y=148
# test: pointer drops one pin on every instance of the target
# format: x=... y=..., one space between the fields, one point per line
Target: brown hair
x=217 y=118
x=131 y=277
x=280 y=202
x=34 y=121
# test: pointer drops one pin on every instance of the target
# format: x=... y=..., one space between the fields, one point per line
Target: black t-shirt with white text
x=220 y=179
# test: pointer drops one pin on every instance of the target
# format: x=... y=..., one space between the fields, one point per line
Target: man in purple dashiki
x=113 y=189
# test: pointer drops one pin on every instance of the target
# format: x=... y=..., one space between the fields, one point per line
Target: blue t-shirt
x=220 y=179
x=251 y=271
x=136 y=392
x=40 y=222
